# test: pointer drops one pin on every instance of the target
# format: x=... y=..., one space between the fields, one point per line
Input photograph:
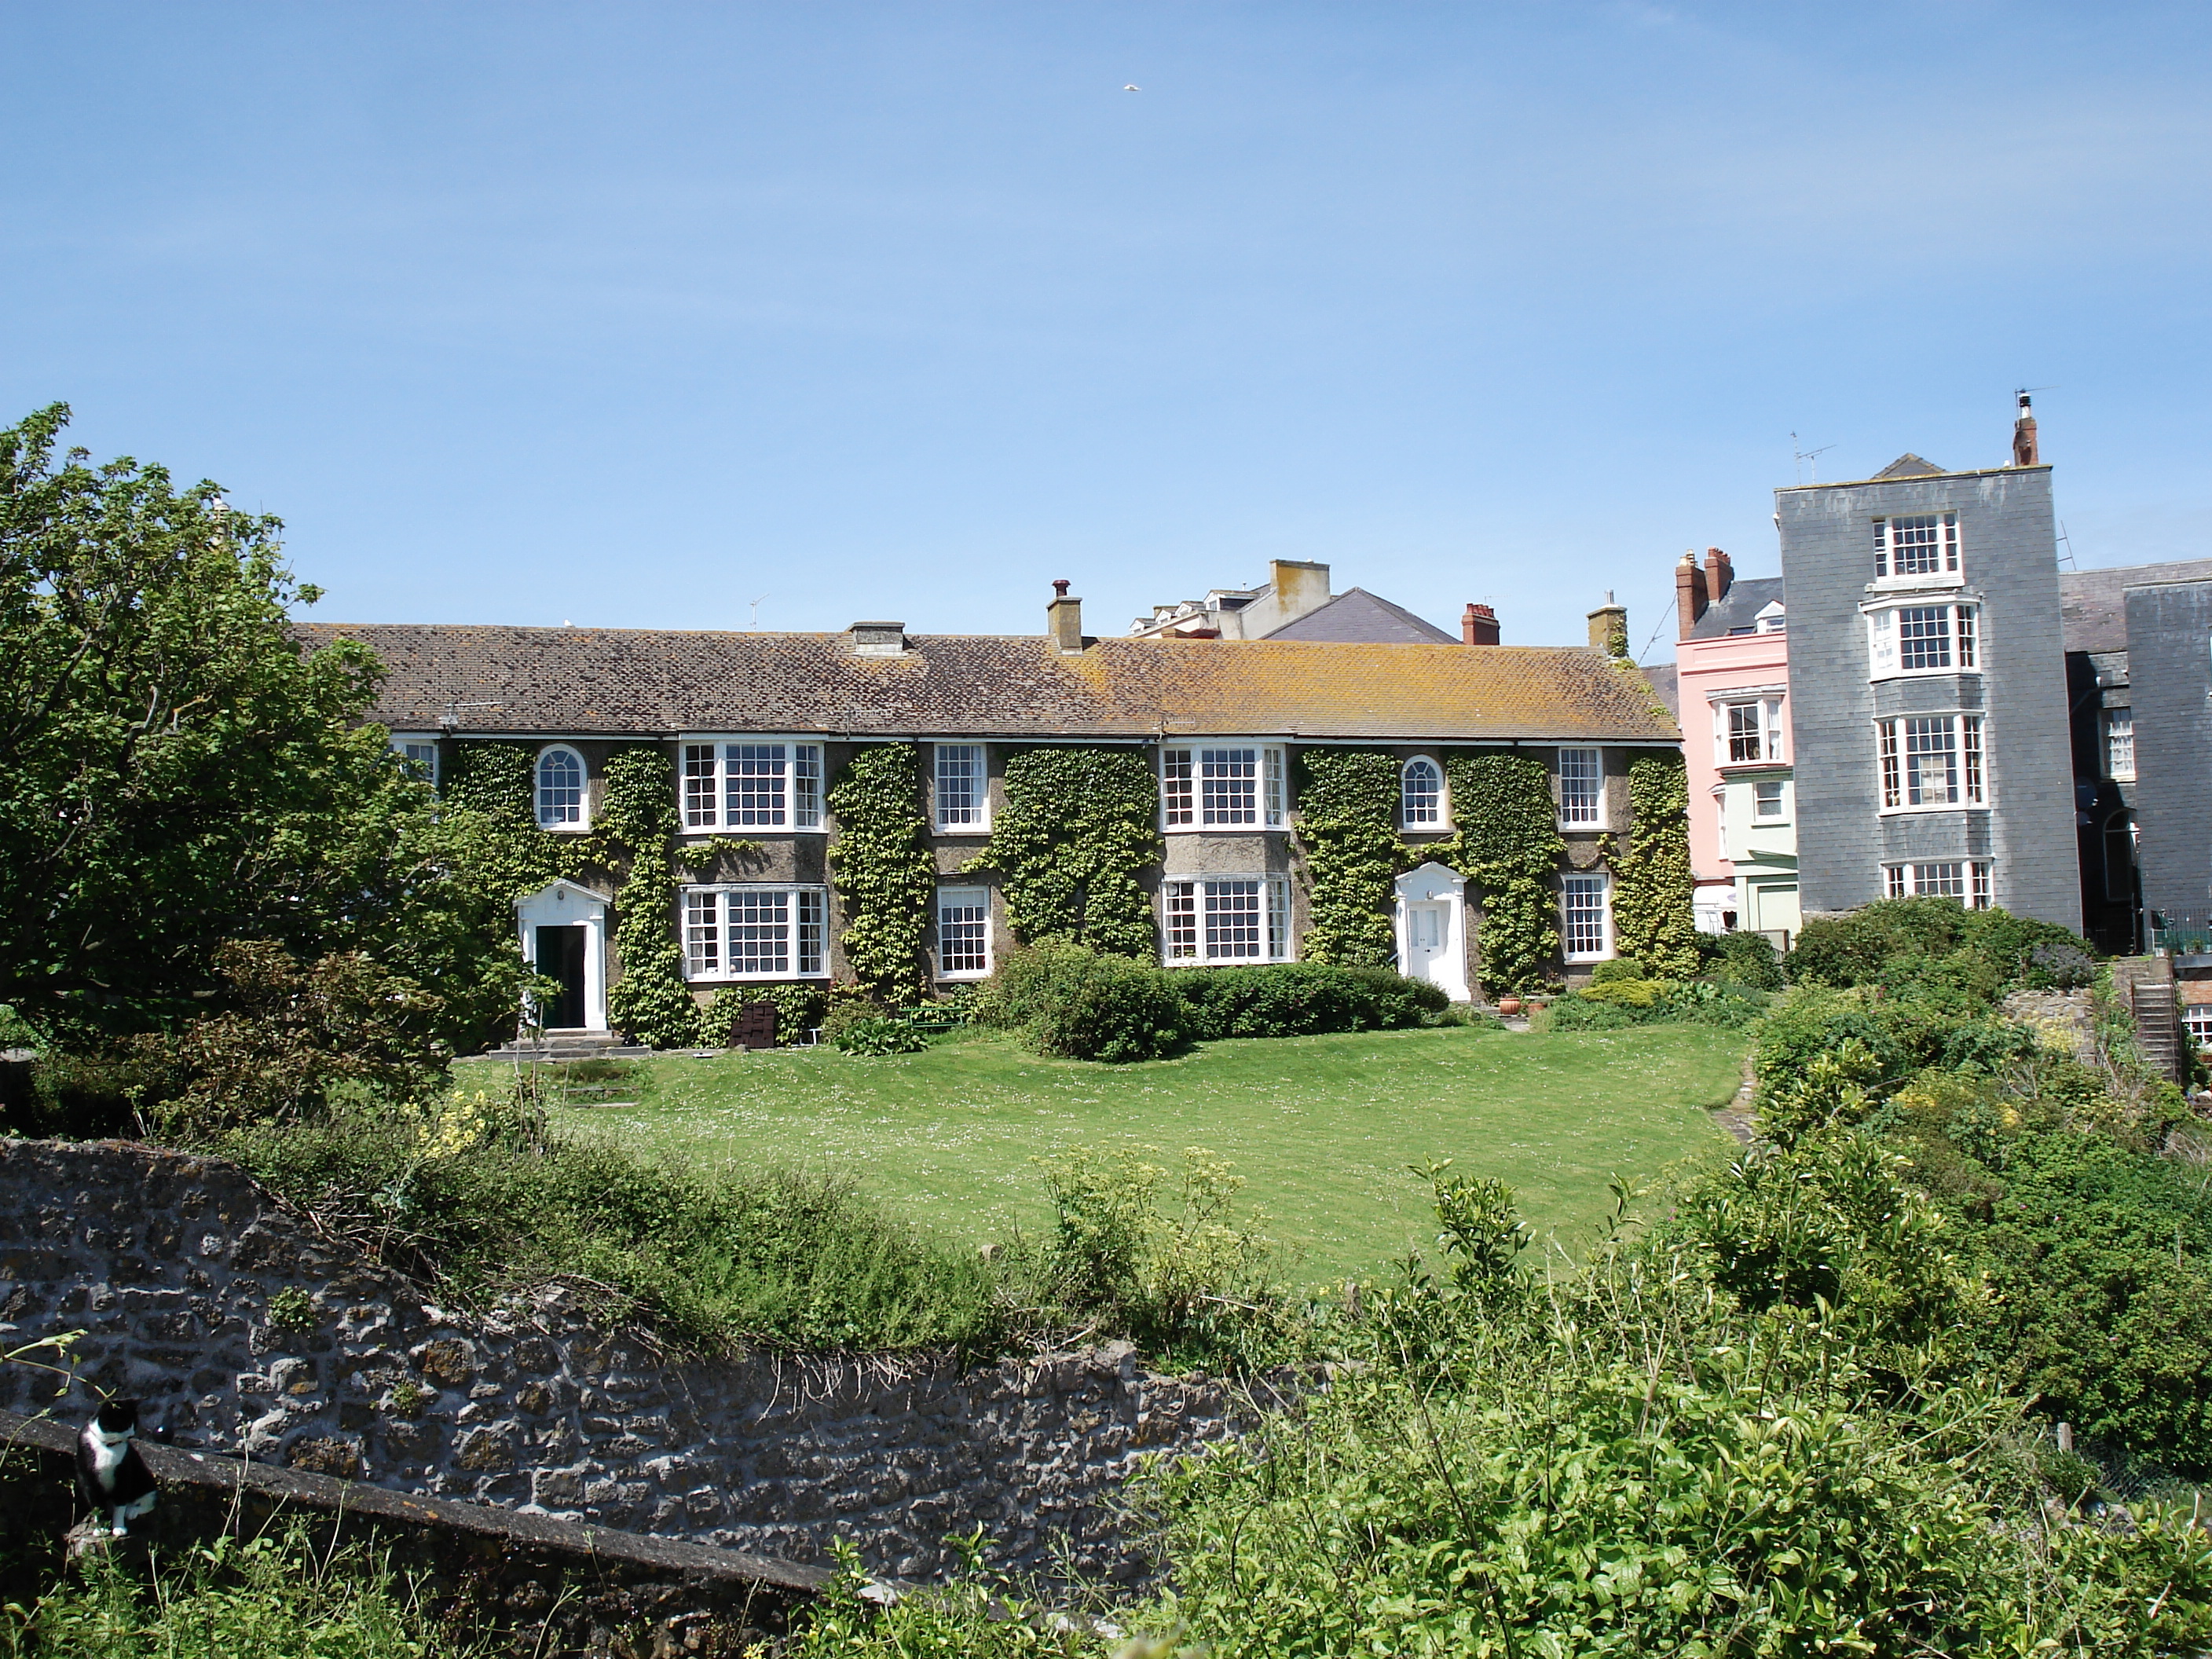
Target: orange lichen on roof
x=585 y=681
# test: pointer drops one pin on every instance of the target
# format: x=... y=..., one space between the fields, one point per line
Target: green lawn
x=1321 y=1128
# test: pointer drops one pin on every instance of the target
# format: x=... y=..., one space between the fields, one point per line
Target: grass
x=1322 y=1127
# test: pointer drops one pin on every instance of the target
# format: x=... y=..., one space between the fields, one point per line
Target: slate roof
x=1666 y=685
x=592 y=682
x=1909 y=465
x=1738 y=608
x=2093 y=608
x=1356 y=614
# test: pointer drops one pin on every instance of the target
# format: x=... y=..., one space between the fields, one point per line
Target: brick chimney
x=1608 y=627
x=2024 y=450
x=1063 y=618
x=1478 y=625
x=1690 y=595
x=1720 y=575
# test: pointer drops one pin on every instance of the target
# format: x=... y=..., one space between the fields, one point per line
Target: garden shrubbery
x=1078 y=1003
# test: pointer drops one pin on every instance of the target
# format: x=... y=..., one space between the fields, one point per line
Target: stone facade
x=250 y=1333
x=2024 y=833
x=2170 y=665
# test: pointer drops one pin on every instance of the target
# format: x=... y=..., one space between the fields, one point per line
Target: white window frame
x=707 y=958
x=1189 y=805
x=2119 y=724
x=1968 y=767
x=1583 y=881
x=964 y=898
x=2197 y=1023
x=1924 y=879
x=1442 y=809
x=1596 y=820
x=1964 y=648
x=1188 y=936
x=419 y=749
x=562 y=826
x=1945 y=559
x=977 y=821
x=1781 y=813
x=1764 y=735
x=1720 y=824
x=703 y=764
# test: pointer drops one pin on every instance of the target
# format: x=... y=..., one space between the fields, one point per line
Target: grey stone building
x=2138 y=634
x=756 y=728
x=1928 y=680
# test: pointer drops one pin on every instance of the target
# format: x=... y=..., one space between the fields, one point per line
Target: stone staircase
x=2147 y=982
x=545 y=1046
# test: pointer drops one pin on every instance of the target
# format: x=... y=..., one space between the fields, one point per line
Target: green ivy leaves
x=1348 y=825
x=1652 y=921
x=886 y=873
x=1509 y=844
x=1078 y=829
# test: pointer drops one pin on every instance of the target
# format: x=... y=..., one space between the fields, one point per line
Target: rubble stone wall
x=230 y=1317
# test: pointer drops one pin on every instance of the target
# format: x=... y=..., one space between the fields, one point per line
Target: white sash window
x=749 y=784
x=751 y=931
x=1222 y=786
x=1225 y=920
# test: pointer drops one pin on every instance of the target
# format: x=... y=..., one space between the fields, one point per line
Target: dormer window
x=561 y=801
x=1772 y=619
x=418 y=752
x=1421 y=794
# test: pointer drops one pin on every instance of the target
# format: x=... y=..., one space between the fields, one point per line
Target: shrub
x=2007 y=952
x=1576 y=1013
x=1301 y=999
x=877 y=1036
x=1617 y=968
x=1077 y=1004
x=1623 y=991
x=1741 y=958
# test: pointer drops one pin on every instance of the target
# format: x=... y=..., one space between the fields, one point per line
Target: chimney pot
x=2025 y=449
x=1608 y=628
x=1478 y=625
x=1720 y=575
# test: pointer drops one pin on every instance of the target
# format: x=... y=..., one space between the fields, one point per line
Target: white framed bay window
x=754 y=930
x=1967 y=880
x=1931 y=761
x=749 y=783
x=1586 y=915
x=1905 y=639
x=1747 y=730
x=1222 y=785
x=1225 y=920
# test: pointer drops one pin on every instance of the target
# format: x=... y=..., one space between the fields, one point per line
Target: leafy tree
x=176 y=773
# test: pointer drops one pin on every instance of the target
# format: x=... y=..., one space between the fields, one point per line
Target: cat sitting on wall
x=110 y=1476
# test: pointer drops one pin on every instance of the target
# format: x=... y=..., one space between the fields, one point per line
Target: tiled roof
x=1356 y=614
x=1738 y=607
x=2092 y=606
x=588 y=682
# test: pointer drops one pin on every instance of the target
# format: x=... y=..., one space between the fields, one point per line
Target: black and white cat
x=112 y=1477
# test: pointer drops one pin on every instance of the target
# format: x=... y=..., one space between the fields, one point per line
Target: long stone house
x=757 y=728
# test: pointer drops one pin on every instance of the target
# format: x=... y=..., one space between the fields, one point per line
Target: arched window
x=560 y=788
x=1421 y=794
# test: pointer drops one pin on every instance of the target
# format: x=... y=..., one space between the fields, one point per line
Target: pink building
x=1732 y=668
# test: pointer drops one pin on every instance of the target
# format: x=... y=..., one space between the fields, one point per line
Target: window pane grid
x=703 y=933
x=699 y=786
x=1931 y=763
x=758 y=932
x=959 y=784
x=2120 y=743
x=1743 y=733
x=1924 y=637
x=1919 y=546
x=1174 y=785
x=1233 y=921
x=1967 y=880
x=1579 y=784
x=964 y=918
x=1582 y=914
x=559 y=787
x=1182 y=921
x=754 y=784
x=1229 y=785
x=1421 y=794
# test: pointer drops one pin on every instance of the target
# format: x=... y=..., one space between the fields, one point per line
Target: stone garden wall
x=228 y=1315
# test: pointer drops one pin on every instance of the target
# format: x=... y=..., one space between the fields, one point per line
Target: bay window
x=1225 y=918
x=1922 y=639
x=1225 y=786
x=1746 y=731
x=1967 y=880
x=751 y=784
x=750 y=932
x=1930 y=760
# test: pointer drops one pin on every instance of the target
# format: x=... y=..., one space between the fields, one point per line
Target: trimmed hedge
x=1080 y=1004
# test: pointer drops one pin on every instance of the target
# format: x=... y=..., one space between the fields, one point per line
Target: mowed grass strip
x=1321 y=1128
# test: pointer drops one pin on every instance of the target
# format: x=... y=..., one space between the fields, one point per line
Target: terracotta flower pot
x=1509 y=1006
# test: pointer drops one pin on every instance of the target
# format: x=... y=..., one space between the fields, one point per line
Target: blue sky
x=630 y=315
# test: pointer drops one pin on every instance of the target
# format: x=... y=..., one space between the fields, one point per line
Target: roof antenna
x=1808 y=458
x=754 y=624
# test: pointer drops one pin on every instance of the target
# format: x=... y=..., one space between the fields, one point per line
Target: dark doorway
x=561 y=956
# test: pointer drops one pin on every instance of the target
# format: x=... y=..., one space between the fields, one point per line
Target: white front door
x=1430 y=926
x=1428 y=934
